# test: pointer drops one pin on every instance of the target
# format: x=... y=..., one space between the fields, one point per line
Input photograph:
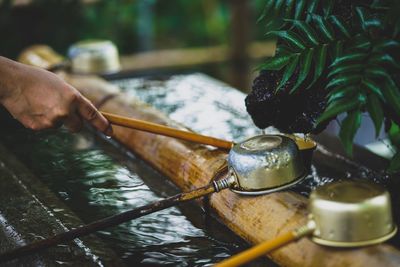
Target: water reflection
x=192 y=100
x=96 y=182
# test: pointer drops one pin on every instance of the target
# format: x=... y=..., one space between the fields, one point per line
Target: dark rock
x=290 y=113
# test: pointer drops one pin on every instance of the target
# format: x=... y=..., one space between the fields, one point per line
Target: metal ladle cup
x=351 y=214
x=84 y=57
x=342 y=214
x=94 y=57
x=264 y=164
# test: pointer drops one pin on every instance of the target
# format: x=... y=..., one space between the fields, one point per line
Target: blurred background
x=217 y=37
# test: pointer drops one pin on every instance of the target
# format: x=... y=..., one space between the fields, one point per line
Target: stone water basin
x=95 y=177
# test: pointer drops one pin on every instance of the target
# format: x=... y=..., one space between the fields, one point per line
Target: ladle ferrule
x=224 y=183
x=304 y=230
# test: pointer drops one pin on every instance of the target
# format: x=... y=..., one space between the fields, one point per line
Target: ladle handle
x=265 y=247
x=107 y=222
x=167 y=131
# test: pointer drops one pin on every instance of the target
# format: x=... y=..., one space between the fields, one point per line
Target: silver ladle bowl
x=264 y=164
x=351 y=213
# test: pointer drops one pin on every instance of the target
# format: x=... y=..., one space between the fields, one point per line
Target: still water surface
x=97 y=180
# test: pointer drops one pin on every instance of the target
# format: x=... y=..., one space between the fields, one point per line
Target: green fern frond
x=282 y=58
x=355 y=60
x=390 y=10
x=288 y=72
x=314 y=46
x=340 y=105
x=349 y=129
x=375 y=110
x=365 y=73
x=394 y=136
x=277 y=11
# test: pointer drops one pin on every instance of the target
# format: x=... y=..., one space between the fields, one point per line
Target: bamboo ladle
x=166 y=131
x=186 y=135
x=110 y=221
x=238 y=155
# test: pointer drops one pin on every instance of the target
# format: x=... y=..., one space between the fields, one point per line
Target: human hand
x=40 y=99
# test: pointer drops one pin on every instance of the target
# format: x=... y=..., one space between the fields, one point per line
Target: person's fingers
x=35 y=122
x=73 y=122
x=89 y=113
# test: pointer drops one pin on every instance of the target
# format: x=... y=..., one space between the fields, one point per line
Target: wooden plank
x=177 y=58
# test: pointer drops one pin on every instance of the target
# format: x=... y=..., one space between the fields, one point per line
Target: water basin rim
x=370 y=242
x=302 y=144
x=269 y=190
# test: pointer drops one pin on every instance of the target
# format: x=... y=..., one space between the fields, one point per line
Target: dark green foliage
x=310 y=45
x=180 y=23
x=351 y=48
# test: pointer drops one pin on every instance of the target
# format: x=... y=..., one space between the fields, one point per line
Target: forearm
x=9 y=70
x=40 y=99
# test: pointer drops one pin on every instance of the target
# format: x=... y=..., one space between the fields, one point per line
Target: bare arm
x=40 y=99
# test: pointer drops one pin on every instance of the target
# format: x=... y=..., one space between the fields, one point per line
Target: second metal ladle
x=342 y=214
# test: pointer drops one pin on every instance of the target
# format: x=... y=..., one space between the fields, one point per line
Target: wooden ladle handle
x=166 y=131
x=267 y=246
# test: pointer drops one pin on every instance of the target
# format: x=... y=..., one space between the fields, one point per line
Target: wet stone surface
x=29 y=212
